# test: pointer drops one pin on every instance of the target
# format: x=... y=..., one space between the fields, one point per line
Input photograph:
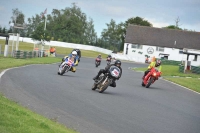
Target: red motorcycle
x=151 y=77
x=97 y=62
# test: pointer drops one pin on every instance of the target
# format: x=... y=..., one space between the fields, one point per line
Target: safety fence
x=19 y=54
x=181 y=68
x=194 y=69
x=170 y=62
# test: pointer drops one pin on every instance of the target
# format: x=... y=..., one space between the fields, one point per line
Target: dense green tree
x=138 y=21
x=111 y=36
x=4 y=30
x=90 y=34
x=33 y=23
x=40 y=34
x=173 y=27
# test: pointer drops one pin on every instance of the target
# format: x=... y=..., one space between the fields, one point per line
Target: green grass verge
x=192 y=83
x=17 y=119
x=10 y=62
x=168 y=71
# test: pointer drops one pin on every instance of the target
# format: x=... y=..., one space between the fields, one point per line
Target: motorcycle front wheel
x=104 y=87
x=150 y=81
x=63 y=70
x=94 y=87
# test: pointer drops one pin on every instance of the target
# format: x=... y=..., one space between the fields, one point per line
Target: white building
x=169 y=44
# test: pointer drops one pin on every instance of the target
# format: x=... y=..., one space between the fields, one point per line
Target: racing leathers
x=106 y=70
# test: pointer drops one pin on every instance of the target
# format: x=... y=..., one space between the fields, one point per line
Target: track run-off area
x=129 y=108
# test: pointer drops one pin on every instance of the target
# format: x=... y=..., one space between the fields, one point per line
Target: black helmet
x=158 y=63
x=118 y=63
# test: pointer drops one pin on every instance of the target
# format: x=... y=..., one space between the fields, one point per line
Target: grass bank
x=17 y=119
x=168 y=71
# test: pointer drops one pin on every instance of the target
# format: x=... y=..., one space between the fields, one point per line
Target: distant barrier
x=195 y=69
x=181 y=68
x=19 y=54
x=171 y=62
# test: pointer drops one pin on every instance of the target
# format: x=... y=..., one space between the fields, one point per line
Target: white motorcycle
x=65 y=66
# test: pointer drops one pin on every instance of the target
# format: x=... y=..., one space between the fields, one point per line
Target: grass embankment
x=168 y=71
x=17 y=119
x=10 y=62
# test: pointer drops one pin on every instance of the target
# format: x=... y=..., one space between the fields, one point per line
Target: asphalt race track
x=128 y=108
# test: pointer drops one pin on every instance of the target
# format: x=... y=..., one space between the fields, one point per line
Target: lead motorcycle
x=106 y=79
x=65 y=66
x=151 y=77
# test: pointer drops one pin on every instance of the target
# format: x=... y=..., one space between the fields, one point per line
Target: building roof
x=144 y=35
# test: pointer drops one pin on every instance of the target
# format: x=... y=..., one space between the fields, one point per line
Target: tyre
x=104 y=87
x=94 y=87
x=143 y=83
x=63 y=70
x=149 y=82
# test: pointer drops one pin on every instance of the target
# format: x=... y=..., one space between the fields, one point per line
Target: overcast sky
x=160 y=13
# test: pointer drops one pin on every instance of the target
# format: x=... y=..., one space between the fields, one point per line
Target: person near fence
x=52 y=50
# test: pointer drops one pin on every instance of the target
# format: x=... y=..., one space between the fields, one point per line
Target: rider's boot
x=96 y=77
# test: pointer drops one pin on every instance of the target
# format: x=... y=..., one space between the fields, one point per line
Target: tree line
x=72 y=25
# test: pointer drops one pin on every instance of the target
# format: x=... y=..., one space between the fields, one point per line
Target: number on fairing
x=70 y=62
x=115 y=72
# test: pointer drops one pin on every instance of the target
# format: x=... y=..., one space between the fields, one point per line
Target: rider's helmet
x=99 y=54
x=74 y=53
x=118 y=63
x=158 y=63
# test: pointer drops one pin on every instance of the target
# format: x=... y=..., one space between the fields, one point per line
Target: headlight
x=154 y=74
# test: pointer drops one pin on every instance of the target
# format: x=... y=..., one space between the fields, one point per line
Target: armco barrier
x=170 y=62
x=181 y=68
x=195 y=69
x=25 y=54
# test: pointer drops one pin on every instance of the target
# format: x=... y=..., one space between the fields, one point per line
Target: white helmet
x=74 y=53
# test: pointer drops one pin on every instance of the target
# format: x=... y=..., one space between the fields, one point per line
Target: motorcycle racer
x=154 y=63
x=117 y=63
x=73 y=56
